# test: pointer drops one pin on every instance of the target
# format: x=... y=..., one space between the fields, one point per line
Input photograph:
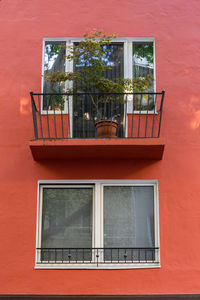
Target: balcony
x=97 y=257
x=91 y=125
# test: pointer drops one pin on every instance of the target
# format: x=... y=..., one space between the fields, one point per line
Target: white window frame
x=128 y=69
x=97 y=227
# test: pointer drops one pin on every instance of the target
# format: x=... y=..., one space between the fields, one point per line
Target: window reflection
x=143 y=66
x=143 y=61
x=54 y=60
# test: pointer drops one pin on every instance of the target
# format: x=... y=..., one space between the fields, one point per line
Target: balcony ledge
x=130 y=148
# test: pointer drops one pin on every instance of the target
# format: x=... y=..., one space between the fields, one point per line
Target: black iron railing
x=94 y=115
x=97 y=256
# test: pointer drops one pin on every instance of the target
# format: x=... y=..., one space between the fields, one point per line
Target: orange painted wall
x=175 y=26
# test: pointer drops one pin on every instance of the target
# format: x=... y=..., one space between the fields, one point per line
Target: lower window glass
x=128 y=222
x=66 y=224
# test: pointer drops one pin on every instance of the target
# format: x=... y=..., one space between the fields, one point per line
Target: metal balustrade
x=70 y=116
x=97 y=256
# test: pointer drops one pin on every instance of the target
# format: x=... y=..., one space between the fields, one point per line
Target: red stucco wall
x=175 y=25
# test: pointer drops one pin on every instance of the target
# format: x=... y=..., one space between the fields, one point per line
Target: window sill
x=95 y=267
x=143 y=112
x=65 y=112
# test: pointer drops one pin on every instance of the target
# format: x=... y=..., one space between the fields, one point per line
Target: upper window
x=126 y=58
x=98 y=224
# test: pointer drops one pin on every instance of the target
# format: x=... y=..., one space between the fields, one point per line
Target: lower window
x=98 y=224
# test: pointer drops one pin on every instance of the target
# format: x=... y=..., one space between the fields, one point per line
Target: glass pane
x=143 y=60
x=143 y=65
x=54 y=60
x=84 y=111
x=128 y=221
x=67 y=222
x=114 y=59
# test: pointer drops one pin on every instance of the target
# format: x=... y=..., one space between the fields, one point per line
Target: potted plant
x=90 y=57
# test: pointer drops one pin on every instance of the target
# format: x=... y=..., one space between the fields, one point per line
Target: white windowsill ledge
x=136 y=112
x=104 y=266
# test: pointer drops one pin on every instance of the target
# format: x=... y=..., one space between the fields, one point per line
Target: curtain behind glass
x=128 y=219
x=67 y=220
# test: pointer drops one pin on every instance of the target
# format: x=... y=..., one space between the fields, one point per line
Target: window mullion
x=130 y=73
x=156 y=223
x=128 y=60
x=126 y=66
x=39 y=225
x=69 y=85
x=40 y=218
x=97 y=216
x=154 y=66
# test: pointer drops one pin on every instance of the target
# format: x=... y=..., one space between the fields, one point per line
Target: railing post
x=34 y=115
x=161 y=108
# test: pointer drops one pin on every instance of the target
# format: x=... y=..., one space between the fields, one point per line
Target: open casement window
x=126 y=58
x=98 y=225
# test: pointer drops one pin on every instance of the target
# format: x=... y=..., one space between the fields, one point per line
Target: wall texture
x=175 y=26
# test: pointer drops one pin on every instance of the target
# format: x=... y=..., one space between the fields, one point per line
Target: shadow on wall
x=97 y=169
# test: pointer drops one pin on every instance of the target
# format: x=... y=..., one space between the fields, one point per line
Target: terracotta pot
x=104 y=128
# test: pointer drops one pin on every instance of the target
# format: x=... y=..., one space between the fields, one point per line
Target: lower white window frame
x=97 y=228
